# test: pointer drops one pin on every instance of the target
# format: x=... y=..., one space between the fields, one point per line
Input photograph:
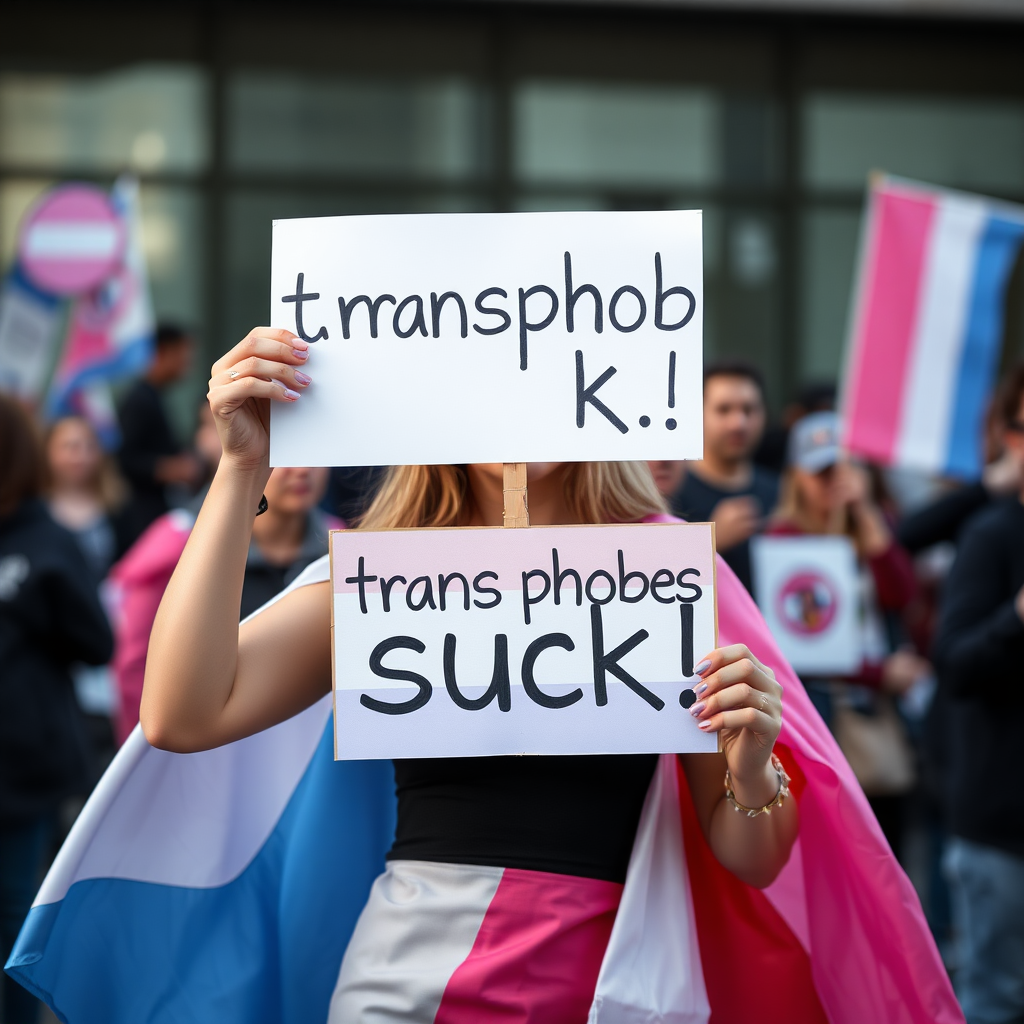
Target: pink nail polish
x=697 y=708
x=288 y=393
x=700 y=669
x=300 y=353
x=700 y=689
x=303 y=379
x=704 y=725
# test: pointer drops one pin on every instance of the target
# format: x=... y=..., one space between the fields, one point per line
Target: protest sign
x=807 y=590
x=491 y=338
x=548 y=640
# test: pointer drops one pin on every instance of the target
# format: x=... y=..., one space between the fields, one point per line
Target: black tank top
x=572 y=815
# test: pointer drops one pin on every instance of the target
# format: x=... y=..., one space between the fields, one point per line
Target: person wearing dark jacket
x=979 y=652
x=50 y=618
x=150 y=456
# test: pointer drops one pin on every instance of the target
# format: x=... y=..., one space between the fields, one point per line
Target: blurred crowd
x=88 y=542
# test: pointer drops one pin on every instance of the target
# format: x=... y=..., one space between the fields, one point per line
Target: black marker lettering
x=558 y=576
x=610 y=663
x=361 y=579
x=500 y=684
x=437 y=304
x=625 y=577
x=418 y=323
x=659 y=581
x=298 y=298
x=442 y=587
x=409 y=643
x=428 y=594
x=641 y=315
x=527 y=600
x=506 y=320
x=572 y=297
x=493 y=591
x=690 y=586
x=525 y=326
x=590 y=586
x=660 y=297
x=533 y=691
x=385 y=590
x=586 y=394
x=686 y=639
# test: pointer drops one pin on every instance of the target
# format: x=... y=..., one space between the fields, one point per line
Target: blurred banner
x=29 y=321
x=111 y=331
x=926 y=325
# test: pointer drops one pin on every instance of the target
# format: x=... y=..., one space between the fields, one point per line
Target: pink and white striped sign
x=926 y=327
x=72 y=241
x=552 y=640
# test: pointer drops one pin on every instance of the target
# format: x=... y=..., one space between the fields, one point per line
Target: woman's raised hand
x=740 y=698
x=264 y=367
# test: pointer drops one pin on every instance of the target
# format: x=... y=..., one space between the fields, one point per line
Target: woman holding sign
x=507 y=895
x=570 y=820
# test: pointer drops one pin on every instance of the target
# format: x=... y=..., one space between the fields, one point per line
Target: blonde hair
x=107 y=485
x=596 y=492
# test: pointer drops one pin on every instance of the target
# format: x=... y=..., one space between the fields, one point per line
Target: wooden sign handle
x=516 y=512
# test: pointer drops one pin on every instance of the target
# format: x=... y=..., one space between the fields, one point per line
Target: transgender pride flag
x=927 y=325
x=223 y=887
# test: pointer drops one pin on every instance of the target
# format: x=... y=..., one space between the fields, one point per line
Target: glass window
x=969 y=143
x=251 y=213
x=615 y=135
x=173 y=237
x=829 y=260
x=319 y=125
x=150 y=118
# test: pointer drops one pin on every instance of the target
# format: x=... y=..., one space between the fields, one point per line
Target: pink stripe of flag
x=899 y=232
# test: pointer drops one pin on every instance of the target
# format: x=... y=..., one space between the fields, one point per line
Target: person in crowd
x=668 y=476
x=726 y=487
x=85 y=492
x=201 y=691
x=50 y=618
x=818 y=396
x=289 y=536
x=979 y=653
x=350 y=491
x=86 y=495
x=151 y=457
x=823 y=494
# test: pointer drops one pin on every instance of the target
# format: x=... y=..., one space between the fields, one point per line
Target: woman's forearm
x=754 y=849
x=193 y=648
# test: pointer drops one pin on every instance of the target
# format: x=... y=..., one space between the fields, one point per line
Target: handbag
x=875 y=743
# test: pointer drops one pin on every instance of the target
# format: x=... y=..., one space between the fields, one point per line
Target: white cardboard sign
x=808 y=592
x=551 y=640
x=459 y=338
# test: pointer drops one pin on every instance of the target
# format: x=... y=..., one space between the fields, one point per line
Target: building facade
x=769 y=117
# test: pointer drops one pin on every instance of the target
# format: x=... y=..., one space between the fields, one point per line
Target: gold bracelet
x=753 y=812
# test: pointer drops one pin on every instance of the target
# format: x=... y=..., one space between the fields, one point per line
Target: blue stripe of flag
x=263 y=949
x=979 y=359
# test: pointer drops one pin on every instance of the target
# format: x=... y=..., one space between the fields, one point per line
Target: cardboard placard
x=550 y=640
x=808 y=592
x=459 y=338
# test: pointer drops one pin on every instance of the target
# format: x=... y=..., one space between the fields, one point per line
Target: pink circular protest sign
x=807 y=602
x=72 y=240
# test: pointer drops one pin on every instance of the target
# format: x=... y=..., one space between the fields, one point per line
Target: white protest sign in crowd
x=548 y=640
x=461 y=338
x=808 y=591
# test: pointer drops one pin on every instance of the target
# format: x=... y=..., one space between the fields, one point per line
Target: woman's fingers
x=266 y=369
x=229 y=397
x=735 y=698
x=264 y=343
x=757 y=722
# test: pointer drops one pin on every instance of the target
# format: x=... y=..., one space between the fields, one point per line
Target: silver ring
x=764 y=703
x=232 y=374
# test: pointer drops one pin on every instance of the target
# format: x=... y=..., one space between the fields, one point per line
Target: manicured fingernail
x=704 y=725
x=303 y=379
x=702 y=667
x=288 y=393
x=697 y=708
x=700 y=689
x=296 y=340
x=300 y=353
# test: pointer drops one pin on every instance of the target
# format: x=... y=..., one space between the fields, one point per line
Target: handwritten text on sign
x=491 y=337
x=560 y=640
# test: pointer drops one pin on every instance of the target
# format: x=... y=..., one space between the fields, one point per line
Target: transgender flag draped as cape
x=223 y=887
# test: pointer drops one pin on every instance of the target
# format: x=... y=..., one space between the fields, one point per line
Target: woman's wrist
x=245 y=483
x=756 y=788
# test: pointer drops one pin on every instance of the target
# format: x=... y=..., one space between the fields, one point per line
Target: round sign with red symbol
x=807 y=602
x=72 y=241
